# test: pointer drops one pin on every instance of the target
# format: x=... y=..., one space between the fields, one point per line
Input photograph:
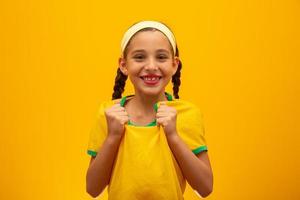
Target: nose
x=151 y=64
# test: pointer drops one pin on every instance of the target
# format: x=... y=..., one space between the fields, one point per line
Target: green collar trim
x=153 y=123
x=169 y=96
x=123 y=100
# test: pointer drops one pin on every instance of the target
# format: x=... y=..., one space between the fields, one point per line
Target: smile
x=151 y=80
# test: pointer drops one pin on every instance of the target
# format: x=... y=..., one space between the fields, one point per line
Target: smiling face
x=149 y=62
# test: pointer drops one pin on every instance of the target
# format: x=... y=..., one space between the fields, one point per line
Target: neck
x=145 y=103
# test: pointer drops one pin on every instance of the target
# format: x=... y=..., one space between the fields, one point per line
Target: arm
x=99 y=171
x=100 y=168
x=196 y=169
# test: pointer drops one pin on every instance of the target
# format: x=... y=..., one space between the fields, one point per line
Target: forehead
x=150 y=39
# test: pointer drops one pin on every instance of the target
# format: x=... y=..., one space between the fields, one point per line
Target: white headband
x=148 y=24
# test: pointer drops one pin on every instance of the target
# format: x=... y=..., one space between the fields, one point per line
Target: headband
x=148 y=24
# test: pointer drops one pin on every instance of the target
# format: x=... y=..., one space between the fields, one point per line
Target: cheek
x=167 y=70
x=133 y=68
x=133 y=74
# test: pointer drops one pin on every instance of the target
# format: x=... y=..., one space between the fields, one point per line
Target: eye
x=162 y=57
x=138 y=57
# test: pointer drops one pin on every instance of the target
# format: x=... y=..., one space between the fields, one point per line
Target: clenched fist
x=116 y=118
x=166 y=116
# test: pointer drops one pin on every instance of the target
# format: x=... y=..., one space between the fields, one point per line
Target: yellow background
x=240 y=59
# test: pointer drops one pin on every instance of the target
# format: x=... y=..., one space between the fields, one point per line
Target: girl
x=144 y=146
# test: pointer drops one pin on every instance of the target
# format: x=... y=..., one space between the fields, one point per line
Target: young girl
x=146 y=145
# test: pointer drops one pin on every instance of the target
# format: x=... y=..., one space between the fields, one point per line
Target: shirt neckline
x=153 y=123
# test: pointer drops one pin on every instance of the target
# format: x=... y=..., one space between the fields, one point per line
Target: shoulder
x=183 y=106
x=190 y=125
x=187 y=111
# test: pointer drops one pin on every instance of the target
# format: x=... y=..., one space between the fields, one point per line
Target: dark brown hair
x=120 y=79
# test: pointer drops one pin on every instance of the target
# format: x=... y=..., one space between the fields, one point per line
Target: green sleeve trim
x=200 y=149
x=92 y=153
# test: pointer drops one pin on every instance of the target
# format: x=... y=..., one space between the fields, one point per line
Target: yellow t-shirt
x=145 y=167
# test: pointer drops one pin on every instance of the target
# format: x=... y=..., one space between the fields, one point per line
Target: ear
x=122 y=66
x=175 y=64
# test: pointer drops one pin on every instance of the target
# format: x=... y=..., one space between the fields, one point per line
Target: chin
x=152 y=91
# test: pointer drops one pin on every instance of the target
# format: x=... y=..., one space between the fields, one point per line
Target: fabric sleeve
x=98 y=131
x=191 y=129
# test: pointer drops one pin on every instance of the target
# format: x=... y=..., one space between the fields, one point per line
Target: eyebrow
x=138 y=51
x=142 y=51
x=163 y=50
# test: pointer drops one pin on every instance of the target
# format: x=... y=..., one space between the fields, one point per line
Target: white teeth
x=151 y=79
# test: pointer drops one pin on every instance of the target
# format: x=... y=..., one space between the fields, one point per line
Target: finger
x=160 y=122
x=116 y=105
x=112 y=108
x=164 y=110
x=167 y=109
x=117 y=108
x=162 y=114
x=161 y=105
x=121 y=117
x=163 y=102
x=116 y=113
x=161 y=108
x=124 y=120
x=164 y=118
x=121 y=113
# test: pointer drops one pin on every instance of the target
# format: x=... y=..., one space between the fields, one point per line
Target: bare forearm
x=99 y=172
x=196 y=172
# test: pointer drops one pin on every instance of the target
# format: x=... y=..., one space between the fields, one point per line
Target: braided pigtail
x=176 y=77
x=120 y=81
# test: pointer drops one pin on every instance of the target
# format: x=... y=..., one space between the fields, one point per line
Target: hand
x=166 y=116
x=116 y=117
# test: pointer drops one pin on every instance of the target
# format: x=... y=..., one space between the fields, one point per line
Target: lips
x=151 y=79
